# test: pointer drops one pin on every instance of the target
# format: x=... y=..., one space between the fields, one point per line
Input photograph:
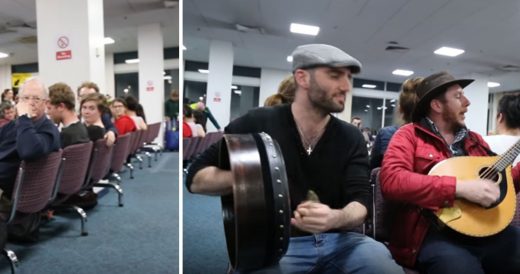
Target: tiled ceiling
x=121 y=17
x=487 y=30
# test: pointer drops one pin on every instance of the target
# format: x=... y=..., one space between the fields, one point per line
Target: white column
x=270 y=79
x=70 y=42
x=110 y=86
x=218 y=94
x=477 y=93
x=151 y=67
x=5 y=77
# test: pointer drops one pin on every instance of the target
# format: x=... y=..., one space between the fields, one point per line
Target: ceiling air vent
x=396 y=48
x=28 y=39
x=510 y=68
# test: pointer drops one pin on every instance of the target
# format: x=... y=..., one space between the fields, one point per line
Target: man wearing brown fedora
x=439 y=132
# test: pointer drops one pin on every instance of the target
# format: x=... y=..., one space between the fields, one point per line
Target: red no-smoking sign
x=63 y=42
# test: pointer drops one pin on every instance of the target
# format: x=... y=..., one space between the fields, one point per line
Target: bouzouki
x=472 y=219
x=257 y=214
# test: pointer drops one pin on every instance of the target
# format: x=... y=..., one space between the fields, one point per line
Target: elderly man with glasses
x=29 y=136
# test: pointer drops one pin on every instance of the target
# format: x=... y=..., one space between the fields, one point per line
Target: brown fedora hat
x=432 y=86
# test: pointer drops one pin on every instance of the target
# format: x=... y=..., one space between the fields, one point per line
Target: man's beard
x=318 y=98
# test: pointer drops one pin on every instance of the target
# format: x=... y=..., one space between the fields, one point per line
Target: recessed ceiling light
x=237 y=91
x=289 y=59
x=447 y=51
x=368 y=106
x=305 y=29
x=108 y=40
x=3 y=55
x=234 y=87
x=368 y=86
x=132 y=61
x=493 y=84
x=402 y=72
x=167 y=77
x=203 y=71
x=183 y=47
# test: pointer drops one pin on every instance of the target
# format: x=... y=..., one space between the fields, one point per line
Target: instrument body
x=469 y=218
x=257 y=214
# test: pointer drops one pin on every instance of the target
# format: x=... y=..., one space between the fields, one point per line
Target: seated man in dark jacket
x=28 y=137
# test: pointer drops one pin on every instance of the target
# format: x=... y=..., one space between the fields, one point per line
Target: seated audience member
x=7 y=113
x=508 y=125
x=195 y=129
x=111 y=132
x=284 y=95
x=439 y=132
x=8 y=96
x=123 y=122
x=404 y=109
x=92 y=108
x=322 y=154
x=61 y=109
x=29 y=137
x=132 y=108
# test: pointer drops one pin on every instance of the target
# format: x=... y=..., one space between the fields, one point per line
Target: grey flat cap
x=315 y=55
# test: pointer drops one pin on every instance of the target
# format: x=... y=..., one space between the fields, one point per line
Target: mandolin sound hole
x=489 y=173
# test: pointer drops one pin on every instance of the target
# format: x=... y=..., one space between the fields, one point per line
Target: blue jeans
x=335 y=253
x=447 y=252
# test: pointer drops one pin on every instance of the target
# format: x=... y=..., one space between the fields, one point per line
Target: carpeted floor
x=141 y=237
x=204 y=244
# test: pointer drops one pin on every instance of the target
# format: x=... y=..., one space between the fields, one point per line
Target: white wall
x=269 y=81
x=110 y=86
x=5 y=77
x=477 y=93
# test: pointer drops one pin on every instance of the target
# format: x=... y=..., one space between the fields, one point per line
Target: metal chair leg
x=83 y=216
x=13 y=260
x=117 y=188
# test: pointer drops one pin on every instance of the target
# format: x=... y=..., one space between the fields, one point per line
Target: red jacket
x=412 y=152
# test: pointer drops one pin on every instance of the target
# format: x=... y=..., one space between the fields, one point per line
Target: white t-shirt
x=195 y=128
x=501 y=143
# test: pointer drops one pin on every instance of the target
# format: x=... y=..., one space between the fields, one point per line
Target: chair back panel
x=100 y=163
x=75 y=167
x=153 y=132
x=121 y=148
x=35 y=182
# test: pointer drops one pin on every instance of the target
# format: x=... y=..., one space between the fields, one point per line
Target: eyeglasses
x=33 y=98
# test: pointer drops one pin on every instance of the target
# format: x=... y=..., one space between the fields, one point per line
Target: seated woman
x=195 y=129
x=92 y=107
x=132 y=111
x=123 y=122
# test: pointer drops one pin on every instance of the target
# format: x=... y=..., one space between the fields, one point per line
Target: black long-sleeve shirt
x=337 y=169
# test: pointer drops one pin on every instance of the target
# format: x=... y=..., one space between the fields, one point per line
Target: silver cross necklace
x=310 y=143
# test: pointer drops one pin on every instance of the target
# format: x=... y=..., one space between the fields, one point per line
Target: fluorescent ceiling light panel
x=289 y=58
x=234 y=87
x=3 y=55
x=402 y=72
x=447 y=51
x=204 y=71
x=108 y=40
x=368 y=86
x=237 y=91
x=305 y=29
x=132 y=61
x=493 y=84
x=183 y=47
x=167 y=77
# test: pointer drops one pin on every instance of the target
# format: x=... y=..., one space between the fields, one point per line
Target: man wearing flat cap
x=438 y=132
x=327 y=169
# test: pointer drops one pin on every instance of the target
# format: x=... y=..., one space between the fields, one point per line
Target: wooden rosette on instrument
x=257 y=215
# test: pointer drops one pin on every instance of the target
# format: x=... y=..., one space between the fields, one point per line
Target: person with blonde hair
x=406 y=104
x=285 y=94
